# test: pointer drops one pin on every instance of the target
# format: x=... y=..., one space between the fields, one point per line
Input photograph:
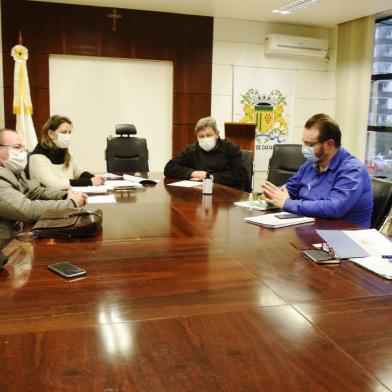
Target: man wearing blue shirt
x=331 y=184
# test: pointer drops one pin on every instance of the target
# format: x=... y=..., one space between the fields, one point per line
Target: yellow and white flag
x=22 y=105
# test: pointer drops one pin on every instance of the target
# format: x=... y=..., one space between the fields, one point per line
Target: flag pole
x=22 y=105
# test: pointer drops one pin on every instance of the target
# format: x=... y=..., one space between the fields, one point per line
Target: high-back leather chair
x=247 y=158
x=284 y=162
x=126 y=153
x=382 y=201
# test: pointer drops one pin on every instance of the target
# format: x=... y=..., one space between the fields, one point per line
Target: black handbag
x=68 y=223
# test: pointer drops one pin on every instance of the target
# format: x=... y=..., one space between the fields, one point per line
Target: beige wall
x=354 y=67
x=241 y=43
x=132 y=91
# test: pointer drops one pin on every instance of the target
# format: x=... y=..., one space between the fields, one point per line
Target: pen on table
x=389 y=257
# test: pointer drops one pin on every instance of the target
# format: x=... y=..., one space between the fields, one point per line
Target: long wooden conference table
x=182 y=295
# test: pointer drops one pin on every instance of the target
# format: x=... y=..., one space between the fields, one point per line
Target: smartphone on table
x=320 y=256
x=287 y=215
x=67 y=270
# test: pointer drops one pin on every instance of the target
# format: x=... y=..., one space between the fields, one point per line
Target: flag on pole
x=22 y=106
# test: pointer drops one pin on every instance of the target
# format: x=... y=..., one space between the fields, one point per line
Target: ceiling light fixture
x=295 y=6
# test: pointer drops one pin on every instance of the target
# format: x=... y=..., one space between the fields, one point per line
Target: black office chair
x=247 y=157
x=382 y=201
x=125 y=153
x=284 y=162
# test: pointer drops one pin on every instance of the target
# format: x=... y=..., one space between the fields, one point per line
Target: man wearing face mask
x=331 y=184
x=22 y=200
x=51 y=162
x=210 y=154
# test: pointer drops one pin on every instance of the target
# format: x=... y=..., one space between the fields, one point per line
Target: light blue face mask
x=308 y=153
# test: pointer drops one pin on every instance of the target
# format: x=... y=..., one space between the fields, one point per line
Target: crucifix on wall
x=114 y=16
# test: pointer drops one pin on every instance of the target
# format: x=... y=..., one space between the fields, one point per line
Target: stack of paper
x=271 y=221
x=122 y=183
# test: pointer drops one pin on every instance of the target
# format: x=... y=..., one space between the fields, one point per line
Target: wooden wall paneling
x=192 y=78
x=191 y=107
x=50 y=28
x=185 y=135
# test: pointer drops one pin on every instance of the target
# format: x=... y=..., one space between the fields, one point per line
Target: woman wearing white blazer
x=51 y=162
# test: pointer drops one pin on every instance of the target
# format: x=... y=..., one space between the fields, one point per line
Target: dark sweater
x=57 y=157
x=224 y=162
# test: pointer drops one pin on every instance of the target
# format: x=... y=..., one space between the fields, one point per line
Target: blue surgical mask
x=308 y=153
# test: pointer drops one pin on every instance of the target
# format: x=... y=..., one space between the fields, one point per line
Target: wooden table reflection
x=182 y=295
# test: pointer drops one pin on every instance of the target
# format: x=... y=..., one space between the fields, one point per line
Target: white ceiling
x=327 y=13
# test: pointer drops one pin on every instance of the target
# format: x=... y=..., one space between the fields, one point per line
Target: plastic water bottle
x=207 y=184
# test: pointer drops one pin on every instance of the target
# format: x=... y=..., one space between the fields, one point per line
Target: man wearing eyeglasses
x=331 y=184
x=21 y=200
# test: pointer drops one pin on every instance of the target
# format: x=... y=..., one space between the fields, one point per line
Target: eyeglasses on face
x=308 y=144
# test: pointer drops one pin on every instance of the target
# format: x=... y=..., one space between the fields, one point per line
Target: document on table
x=372 y=241
x=272 y=222
x=140 y=180
x=101 y=199
x=376 y=264
x=186 y=183
x=349 y=244
x=111 y=176
x=91 y=189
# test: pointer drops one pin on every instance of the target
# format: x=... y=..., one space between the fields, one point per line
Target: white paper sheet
x=376 y=264
x=112 y=184
x=186 y=183
x=372 y=241
x=111 y=176
x=91 y=189
x=101 y=199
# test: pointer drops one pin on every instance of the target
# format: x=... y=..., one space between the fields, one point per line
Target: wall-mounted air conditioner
x=291 y=45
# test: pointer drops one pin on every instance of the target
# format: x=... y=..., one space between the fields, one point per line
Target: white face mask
x=17 y=160
x=207 y=143
x=63 y=140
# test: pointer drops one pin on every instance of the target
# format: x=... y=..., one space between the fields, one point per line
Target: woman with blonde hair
x=51 y=162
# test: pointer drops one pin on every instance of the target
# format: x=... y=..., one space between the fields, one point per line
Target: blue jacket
x=343 y=191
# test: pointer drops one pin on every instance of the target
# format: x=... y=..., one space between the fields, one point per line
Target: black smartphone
x=287 y=215
x=320 y=256
x=67 y=270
